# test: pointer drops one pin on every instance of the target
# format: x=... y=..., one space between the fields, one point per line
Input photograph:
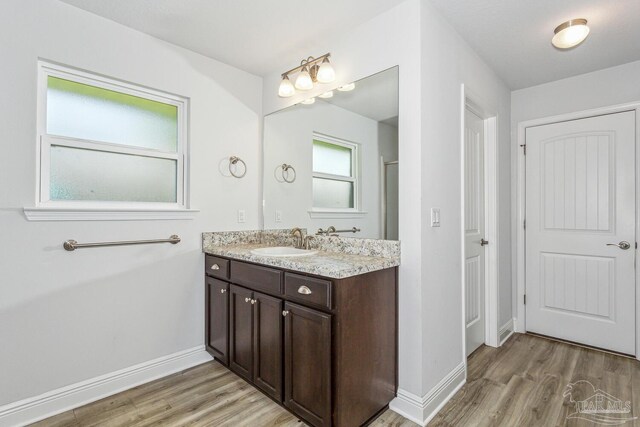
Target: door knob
x=247 y=299
x=624 y=245
x=285 y=312
x=222 y=291
x=483 y=242
x=253 y=301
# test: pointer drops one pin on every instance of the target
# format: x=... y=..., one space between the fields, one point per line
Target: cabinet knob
x=222 y=291
x=215 y=267
x=253 y=301
x=285 y=312
x=304 y=290
x=247 y=299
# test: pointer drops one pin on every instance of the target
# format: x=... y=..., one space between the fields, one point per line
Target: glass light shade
x=570 y=33
x=303 y=81
x=347 y=87
x=326 y=95
x=286 y=88
x=308 y=101
x=326 y=74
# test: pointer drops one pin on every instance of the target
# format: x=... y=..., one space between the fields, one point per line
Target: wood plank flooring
x=519 y=384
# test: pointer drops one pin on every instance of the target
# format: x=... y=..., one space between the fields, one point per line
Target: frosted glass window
x=329 y=193
x=80 y=174
x=335 y=181
x=83 y=111
x=332 y=158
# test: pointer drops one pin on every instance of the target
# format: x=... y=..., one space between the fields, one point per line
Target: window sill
x=92 y=214
x=313 y=214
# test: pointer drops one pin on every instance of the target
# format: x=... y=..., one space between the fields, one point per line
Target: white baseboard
x=54 y=402
x=421 y=410
x=506 y=330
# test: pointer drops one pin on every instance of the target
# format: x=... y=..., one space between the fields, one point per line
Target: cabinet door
x=217 y=338
x=267 y=356
x=241 y=332
x=307 y=346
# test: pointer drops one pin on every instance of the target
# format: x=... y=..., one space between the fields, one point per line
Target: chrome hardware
x=234 y=160
x=285 y=173
x=304 y=290
x=331 y=230
x=215 y=267
x=285 y=312
x=483 y=242
x=307 y=242
x=247 y=299
x=253 y=301
x=222 y=291
x=297 y=231
x=72 y=245
x=624 y=245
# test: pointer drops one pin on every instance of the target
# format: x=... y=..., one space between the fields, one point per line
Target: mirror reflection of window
x=335 y=178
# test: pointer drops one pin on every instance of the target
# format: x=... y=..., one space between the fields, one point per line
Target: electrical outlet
x=435 y=217
x=242 y=216
x=278 y=216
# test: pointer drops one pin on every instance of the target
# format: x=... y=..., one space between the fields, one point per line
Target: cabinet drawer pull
x=247 y=299
x=285 y=312
x=222 y=291
x=304 y=290
x=215 y=267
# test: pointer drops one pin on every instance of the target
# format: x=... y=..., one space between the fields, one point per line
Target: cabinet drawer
x=308 y=290
x=216 y=267
x=256 y=277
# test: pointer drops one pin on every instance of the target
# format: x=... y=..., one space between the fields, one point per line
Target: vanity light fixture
x=310 y=71
x=326 y=95
x=348 y=87
x=570 y=33
x=308 y=101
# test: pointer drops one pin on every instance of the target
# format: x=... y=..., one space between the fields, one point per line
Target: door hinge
x=524 y=148
x=525 y=299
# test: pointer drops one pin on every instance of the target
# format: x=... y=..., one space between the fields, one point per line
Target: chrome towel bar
x=72 y=245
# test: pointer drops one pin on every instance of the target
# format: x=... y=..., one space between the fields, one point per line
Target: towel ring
x=234 y=160
x=285 y=173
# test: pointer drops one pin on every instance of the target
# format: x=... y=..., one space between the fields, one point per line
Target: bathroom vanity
x=323 y=345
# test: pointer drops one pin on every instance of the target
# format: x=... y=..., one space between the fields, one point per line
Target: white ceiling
x=253 y=35
x=514 y=36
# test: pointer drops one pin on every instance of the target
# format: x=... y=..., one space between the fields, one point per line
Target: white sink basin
x=282 y=251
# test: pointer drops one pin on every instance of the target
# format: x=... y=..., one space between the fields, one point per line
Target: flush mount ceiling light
x=310 y=71
x=348 y=87
x=570 y=33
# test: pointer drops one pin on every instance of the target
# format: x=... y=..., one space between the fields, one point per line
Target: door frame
x=519 y=261
x=489 y=115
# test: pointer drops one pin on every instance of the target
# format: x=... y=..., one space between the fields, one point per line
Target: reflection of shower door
x=390 y=200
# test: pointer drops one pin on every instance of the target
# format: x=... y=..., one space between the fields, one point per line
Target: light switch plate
x=242 y=216
x=278 y=216
x=435 y=217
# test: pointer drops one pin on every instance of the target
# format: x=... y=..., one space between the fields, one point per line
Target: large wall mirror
x=334 y=162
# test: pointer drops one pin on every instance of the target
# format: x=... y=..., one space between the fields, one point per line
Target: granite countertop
x=336 y=265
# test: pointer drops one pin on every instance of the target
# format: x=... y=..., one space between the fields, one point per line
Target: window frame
x=47 y=209
x=354 y=178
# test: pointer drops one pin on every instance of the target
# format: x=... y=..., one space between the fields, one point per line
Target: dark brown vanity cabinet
x=324 y=348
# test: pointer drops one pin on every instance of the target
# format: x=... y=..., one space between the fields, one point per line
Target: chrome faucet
x=297 y=231
x=307 y=241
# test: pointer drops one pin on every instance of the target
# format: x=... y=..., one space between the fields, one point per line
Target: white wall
x=433 y=63
x=447 y=63
x=67 y=317
x=288 y=137
x=603 y=88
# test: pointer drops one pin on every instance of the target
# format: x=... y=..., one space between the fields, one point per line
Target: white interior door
x=580 y=204
x=474 y=266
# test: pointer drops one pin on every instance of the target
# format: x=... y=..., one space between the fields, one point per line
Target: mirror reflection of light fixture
x=308 y=101
x=570 y=33
x=348 y=87
x=310 y=71
x=326 y=95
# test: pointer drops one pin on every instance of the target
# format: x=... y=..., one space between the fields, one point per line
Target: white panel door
x=474 y=230
x=580 y=204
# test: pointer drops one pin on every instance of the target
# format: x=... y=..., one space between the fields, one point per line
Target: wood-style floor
x=519 y=384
